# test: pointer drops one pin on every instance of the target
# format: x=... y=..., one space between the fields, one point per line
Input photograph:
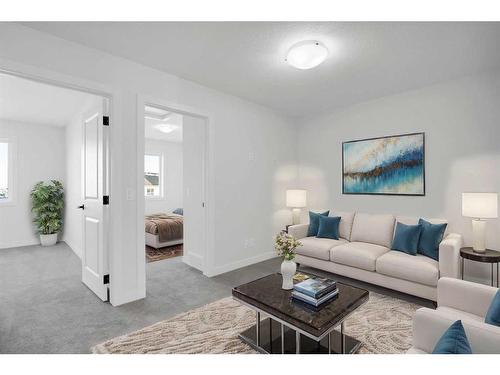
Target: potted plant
x=47 y=207
x=285 y=245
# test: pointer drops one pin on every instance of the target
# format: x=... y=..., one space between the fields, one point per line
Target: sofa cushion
x=358 y=254
x=318 y=247
x=345 y=226
x=416 y=268
x=375 y=229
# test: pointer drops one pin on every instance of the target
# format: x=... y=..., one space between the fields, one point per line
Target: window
x=153 y=176
x=7 y=170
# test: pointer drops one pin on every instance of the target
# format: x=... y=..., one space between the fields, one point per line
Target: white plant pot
x=48 y=239
x=288 y=268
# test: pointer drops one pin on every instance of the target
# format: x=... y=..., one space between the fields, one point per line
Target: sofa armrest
x=298 y=231
x=465 y=296
x=449 y=256
x=429 y=325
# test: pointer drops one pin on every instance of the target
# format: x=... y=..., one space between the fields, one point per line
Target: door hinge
x=105 y=200
x=106 y=279
x=105 y=120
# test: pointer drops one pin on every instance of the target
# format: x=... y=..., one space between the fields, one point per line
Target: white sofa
x=363 y=252
x=457 y=300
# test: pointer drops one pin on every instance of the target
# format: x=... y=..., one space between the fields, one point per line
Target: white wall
x=246 y=196
x=172 y=176
x=461 y=124
x=74 y=196
x=40 y=157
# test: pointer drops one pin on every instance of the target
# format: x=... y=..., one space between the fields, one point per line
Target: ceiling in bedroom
x=26 y=101
x=366 y=60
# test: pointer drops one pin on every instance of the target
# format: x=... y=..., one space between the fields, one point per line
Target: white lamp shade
x=480 y=205
x=296 y=198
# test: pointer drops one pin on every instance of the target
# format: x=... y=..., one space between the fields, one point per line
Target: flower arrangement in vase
x=285 y=245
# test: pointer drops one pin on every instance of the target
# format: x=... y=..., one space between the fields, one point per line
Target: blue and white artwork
x=392 y=165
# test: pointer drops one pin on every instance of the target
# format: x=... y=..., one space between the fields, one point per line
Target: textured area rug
x=383 y=325
x=153 y=255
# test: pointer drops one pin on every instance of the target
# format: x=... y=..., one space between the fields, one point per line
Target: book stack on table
x=315 y=291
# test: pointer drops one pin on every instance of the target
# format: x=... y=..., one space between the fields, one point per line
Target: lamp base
x=479 y=235
x=296 y=216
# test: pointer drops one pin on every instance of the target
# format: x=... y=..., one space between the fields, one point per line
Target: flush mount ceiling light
x=166 y=128
x=306 y=54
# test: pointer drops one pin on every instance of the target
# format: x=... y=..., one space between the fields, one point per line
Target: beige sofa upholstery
x=457 y=300
x=364 y=252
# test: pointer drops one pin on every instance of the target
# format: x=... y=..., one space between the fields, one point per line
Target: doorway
x=55 y=139
x=174 y=184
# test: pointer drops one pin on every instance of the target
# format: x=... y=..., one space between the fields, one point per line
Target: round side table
x=489 y=256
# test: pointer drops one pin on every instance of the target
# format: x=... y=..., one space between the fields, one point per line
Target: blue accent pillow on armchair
x=493 y=314
x=453 y=341
x=314 y=222
x=431 y=237
x=328 y=227
x=406 y=238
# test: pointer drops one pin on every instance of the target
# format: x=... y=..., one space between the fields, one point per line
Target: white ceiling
x=367 y=60
x=164 y=117
x=32 y=102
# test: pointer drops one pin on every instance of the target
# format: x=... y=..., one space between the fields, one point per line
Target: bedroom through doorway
x=174 y=186
x=163 y=185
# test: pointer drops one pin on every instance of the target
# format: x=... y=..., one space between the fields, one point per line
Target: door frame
x=208 y=251
x=108 y=95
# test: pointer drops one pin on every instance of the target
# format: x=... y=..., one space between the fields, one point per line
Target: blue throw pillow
x=453 y=341
x=328 y=227
x=314 y=222
x=431 y=237
x=178 y=211
x=493 y=314
x=406 y=238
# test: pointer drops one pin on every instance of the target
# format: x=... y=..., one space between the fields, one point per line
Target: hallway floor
x=45 y=308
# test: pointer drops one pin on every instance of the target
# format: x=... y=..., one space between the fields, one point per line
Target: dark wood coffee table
x=295 y=327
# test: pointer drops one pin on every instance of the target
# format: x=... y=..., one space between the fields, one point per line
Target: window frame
x=12 y=174
x=160 y=179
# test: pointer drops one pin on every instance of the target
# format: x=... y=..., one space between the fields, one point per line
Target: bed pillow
x=314 y=222
x=178 y=211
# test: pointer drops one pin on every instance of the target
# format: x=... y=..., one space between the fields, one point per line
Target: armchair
x=457 y=300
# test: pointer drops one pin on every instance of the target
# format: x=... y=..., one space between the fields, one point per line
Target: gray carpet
x=44 y=307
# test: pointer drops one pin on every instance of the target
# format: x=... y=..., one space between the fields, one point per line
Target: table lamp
x=479 y=206
x=296 y=199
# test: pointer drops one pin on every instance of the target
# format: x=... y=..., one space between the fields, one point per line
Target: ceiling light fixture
x=306 y=54
x=166 y=128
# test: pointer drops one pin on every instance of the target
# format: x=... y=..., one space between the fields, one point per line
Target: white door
x=94 y=259
x=193 y=143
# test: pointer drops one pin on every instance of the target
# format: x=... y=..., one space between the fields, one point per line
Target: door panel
x=94 y=158
x=194 y=138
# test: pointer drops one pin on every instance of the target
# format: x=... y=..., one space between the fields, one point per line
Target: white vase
x=288 y=268
x=48 y=239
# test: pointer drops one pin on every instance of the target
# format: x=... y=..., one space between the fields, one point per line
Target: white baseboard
x=74 y=248
x=241 y=263
x=9 y=244
x=193 y=260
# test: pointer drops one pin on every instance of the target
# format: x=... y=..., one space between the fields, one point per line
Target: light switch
x=130 y=194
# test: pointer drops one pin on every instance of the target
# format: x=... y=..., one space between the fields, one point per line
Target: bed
x=163 y=230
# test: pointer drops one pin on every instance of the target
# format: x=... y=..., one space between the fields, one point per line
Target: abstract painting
x=393 y=165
